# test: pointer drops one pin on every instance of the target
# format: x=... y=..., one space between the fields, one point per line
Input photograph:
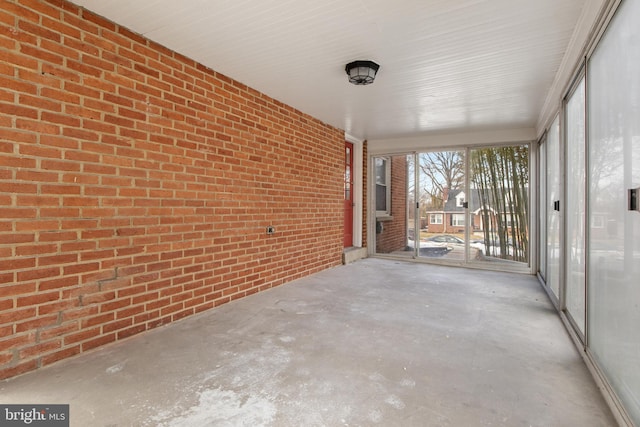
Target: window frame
x=439 y=216
x=455 y=218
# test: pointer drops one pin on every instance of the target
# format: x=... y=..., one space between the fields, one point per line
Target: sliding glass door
x=458 y=206
x=575 y=232
x=444 y=207
x=393 y=190
x=542 y=208
x=614 y=171
x=499 y=209
x=552 y=208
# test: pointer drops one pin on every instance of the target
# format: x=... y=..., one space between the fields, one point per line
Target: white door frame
x=358 y=209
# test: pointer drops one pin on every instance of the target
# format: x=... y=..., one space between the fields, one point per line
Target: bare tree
x=501 y=176
x=441 y=170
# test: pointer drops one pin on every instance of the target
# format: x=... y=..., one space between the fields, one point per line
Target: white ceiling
x=445 y=65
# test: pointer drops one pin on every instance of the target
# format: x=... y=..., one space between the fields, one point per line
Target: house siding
x=137 y=186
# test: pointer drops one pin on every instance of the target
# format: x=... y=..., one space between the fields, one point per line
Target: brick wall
x=394 y=234
x=137 y=186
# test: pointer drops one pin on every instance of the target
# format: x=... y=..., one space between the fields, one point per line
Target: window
x=460 y=200
x=435 y=219
x=457 y=220
x=383 y=187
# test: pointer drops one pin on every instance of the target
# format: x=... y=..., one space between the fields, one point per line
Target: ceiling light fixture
x=362 y=72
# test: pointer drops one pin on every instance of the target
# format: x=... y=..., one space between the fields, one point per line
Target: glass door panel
x=394 y=196
x=614 y=237
x=542 y=210
x=576 y=204
x=413 y=219
x=443 y=198
x=499 y=204
x=553 y=208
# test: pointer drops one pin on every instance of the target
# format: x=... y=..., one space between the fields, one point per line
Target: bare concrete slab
x=377 y=342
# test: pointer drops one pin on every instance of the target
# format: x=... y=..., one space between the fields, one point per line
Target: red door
x=348 y=194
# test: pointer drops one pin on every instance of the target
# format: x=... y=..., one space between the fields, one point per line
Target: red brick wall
x=438 y=228
x=137 y=186
x=393 y=236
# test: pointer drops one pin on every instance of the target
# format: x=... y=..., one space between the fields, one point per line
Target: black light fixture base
x=362 y=72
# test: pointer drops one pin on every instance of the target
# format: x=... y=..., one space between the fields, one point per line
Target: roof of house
x=451 y=205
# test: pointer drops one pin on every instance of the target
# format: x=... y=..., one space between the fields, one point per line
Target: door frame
x=358 y=171
x=348 y=204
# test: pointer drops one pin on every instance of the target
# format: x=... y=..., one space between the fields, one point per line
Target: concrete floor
x=377 y=342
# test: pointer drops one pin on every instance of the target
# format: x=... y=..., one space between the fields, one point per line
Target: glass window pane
x=381 y=197
x=392 y=203
x=542 y=176
x=441 y=186
x=499 y=204
x=553 y=214
x=381 y=171
x=575 y=212
x=614 y=168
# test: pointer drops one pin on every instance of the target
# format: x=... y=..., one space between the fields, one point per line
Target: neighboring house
x=451 y=219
